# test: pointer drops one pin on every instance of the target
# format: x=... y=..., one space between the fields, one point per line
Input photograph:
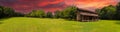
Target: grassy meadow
x=24 y=24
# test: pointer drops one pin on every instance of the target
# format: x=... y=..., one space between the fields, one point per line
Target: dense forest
x=6 y=12
x=110 y=12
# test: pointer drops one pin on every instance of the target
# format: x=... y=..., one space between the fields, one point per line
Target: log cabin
x=86 y=15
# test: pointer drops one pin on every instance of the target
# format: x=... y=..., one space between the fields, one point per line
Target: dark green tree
x=57 y=14
x=69 y=12
x=118 y=12
x=18 y=14
x=6 y=12
x=107 y=12
x=1 y=11
x=49 y=15
x=9 y=12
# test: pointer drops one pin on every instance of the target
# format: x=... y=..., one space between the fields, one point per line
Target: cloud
x=53 y=5
x=87 y=4
x=27 y=5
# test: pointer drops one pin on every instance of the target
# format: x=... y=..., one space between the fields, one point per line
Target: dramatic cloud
x=53 y=5
x=93 y=4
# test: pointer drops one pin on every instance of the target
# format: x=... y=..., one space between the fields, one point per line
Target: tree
x=118 y=12
x=1 y=11
x=31 y=14
x=69 y=12
x=37 y=13
x=49 y=15
x=107 y=12
x=17 y=14
x=57 y=14
x=6 y=12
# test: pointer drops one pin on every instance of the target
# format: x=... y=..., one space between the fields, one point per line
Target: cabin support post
x=88 y=18
x=82 y=18
x=78 y=16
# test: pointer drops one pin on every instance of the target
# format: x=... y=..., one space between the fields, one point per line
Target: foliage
x=107 y=12
x=118 y=12
x=8 y=12
x=69 y=12
x=37 y=13
x=1 y=11
x=57 y=14
x=49 y=15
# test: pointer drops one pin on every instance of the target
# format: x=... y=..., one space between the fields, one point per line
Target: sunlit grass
x=24 y=24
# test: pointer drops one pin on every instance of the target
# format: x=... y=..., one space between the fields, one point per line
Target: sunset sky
x=25 y=6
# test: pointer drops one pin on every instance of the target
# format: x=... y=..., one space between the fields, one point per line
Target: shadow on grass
x=117 y=22
x=82 y=21
x=2 y=19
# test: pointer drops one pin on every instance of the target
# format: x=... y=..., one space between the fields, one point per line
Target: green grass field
x=24 y=24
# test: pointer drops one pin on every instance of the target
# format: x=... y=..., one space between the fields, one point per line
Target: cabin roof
x=81 y=9
x=88 y=14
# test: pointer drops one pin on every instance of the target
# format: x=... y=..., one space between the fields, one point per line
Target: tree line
x=110 y=12
x=68 y=13
x=8 y=12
